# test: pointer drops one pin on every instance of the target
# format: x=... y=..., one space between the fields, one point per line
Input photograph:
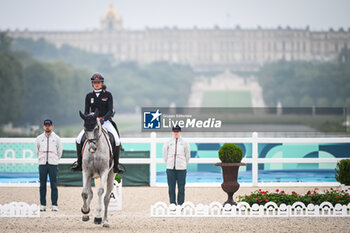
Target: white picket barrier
x=19 y=209
x=9 y=157
x=243 y=209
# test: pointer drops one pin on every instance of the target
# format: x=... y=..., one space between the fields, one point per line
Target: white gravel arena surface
x=135 y=216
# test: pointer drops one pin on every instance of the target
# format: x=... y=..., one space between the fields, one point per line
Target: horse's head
x=92 y=129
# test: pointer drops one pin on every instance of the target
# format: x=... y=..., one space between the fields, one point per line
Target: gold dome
x=111 y=11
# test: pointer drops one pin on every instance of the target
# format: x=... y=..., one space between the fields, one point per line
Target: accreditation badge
x=92 y=100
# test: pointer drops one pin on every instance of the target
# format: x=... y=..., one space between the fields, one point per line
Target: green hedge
x=230 y=153
x=311 y=197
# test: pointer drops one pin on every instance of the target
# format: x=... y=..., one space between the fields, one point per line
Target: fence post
x=255 y=159
x=153 y=160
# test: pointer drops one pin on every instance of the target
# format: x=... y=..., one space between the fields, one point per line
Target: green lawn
x=226 y=99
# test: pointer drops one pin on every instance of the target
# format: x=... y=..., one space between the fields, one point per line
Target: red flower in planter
x=249 y=196
x=342 y=191
x=309 y=192
x=259 y=190
x=294 y=192
x=266 y=200
x=259 y=201
x=256 y=199
x=337 y=197
x=347 y=195
x=282 y=191
x=277 y=190
x=331 y=188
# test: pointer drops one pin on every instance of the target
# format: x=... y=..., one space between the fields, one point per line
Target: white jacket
x=176 y=153
x=48 y=148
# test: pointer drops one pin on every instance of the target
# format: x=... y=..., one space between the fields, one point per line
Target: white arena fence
x=19 y=209
x=9 y=157
x=243 y=209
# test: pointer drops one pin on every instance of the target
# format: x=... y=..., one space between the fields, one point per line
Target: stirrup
x=117 y=170
x=76 y=167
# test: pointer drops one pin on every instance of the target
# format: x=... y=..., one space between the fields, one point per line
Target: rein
x=94 y=140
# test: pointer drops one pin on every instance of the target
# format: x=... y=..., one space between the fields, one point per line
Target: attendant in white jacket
x=176 y=154
x=49 y=151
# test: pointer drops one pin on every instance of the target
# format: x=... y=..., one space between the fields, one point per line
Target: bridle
x=94 y=140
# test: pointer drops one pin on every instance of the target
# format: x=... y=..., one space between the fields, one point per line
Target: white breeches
x=108 y=125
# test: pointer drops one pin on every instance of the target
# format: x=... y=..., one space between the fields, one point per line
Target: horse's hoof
x=85 y=212
x=86 y=218
x=97 y=220
x=106 y=225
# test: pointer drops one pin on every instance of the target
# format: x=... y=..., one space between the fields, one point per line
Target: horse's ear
x=82 y=115
x=96 y=113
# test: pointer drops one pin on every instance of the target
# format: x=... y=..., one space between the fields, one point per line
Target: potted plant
x=342 y=174
x=231 y=156
x=118 y=178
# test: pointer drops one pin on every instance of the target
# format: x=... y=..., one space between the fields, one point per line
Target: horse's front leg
x=103 y=178
x=86 y=194
x=110 y=183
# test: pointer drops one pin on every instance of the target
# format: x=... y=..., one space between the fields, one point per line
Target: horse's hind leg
x=87 y=196
x=110 y=181
x=103 y=178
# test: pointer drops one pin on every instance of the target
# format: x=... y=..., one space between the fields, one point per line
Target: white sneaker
x=54 y=208
x=42 y=208
x=172 y=207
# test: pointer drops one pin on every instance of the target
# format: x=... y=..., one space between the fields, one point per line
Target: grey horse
x=96 y=163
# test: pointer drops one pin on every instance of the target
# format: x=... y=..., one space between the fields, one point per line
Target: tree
x=45 y=51
x=344 y=55
x=10 y=88
x=305 y=84
x=40 y=94
x=5 y=42
x=73 y=85
x=322 y=102
x=306 y=101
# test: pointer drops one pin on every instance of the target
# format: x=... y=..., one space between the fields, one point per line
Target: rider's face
x=97 y=85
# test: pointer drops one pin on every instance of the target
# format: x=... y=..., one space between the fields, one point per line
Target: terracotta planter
x=230 y=175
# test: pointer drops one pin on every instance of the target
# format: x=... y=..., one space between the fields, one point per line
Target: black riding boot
x=116 y=153
x=77 y=166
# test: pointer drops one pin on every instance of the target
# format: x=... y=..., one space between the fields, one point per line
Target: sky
x=137 y=14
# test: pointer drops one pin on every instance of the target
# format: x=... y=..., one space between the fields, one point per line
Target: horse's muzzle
x=92 y=148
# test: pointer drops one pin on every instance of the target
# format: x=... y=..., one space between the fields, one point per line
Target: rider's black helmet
x=97 y=78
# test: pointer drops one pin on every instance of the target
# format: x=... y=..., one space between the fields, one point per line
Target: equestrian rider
x=102 y=100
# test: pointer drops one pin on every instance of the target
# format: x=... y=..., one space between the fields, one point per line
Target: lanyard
x=47 y=149
x=175 y=153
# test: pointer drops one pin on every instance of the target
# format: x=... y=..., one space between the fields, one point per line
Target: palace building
x=212 y=49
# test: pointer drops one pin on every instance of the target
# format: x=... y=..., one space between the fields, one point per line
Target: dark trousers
x=50 y=170
x=179 y=177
